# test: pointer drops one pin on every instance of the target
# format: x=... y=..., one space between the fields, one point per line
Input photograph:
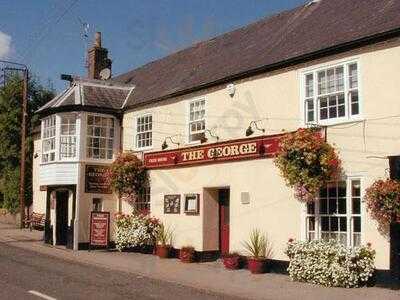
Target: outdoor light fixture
x=250 y=131
x=204 y=139
x=165 y=145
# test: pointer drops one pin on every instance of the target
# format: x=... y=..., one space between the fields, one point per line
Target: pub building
x=207 y=121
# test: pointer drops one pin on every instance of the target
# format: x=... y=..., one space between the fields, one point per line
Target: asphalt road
x=29 y=275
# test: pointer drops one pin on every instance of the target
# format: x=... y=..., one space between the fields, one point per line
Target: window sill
x=143 y=149
x=335 y=122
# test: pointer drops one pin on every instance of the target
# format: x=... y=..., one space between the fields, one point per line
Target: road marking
x=41 y=295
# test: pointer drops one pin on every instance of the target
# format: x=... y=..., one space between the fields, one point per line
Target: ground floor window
x=143 y=200
x=337 y=213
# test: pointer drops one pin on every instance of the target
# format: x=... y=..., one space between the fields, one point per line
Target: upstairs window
x=336 y=214
x=100 y=137
x=144 y=135
x=49 y=139
x=332 y=94
x=197 y=120
x=68 y=137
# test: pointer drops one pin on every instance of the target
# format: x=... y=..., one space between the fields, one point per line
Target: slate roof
x=90 y=94
x=271 y=42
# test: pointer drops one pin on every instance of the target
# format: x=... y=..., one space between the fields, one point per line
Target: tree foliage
x=10 y=137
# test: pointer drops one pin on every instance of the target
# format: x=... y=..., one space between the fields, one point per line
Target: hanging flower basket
x=128 y=176
x=383 y=202
x=307 y=162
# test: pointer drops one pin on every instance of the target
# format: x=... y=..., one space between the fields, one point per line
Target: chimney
x=97 y=58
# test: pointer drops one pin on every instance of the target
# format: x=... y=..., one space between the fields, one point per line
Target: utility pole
x=23 y=147
x=24 y=108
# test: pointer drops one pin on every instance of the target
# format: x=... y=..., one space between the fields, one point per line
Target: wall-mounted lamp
x=165 y=145
x=204 y=138
x=250 y=131
x=36 y=155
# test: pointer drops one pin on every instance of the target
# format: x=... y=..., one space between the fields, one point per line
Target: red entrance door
x=224 y=221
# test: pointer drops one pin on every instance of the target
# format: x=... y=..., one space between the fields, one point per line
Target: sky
x=49 y=35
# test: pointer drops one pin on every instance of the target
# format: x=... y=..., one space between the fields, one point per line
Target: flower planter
x=186 y=255
x=232 y=262
x=256 y=266
x=163 y=251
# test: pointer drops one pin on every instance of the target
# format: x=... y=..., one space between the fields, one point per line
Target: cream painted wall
x=39 y=197
x=275 y=97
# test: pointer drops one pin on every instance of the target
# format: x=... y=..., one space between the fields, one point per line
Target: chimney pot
x=97 y=40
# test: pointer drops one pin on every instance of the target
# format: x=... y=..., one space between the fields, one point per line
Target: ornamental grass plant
x=330 y=264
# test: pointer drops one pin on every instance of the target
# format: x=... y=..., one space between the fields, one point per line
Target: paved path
x=28 y=275
x=205 y=276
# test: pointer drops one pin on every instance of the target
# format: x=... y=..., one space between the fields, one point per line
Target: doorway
x=62 y=217
x=224 y=216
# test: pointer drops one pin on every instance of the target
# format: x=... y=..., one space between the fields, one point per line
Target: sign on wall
x=249 y=148
x=172 y=204
x=192 y=204
x=99 y=229
x=97 y=179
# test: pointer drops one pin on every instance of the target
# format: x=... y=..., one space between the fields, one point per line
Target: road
x=28 y=275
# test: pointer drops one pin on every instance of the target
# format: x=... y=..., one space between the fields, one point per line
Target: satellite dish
x=105 y=74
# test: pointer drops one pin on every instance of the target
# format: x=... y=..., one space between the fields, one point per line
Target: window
x=97 y=204
x=100 y=137
x=142 y=204
x=49 y=139
x=68 y=137
x=337 y=213
x=144 y=127
x=332 y=94
x=197 y=121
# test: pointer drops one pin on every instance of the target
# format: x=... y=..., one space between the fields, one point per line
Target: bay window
x=49 y=139
x=197 y=120
x=100 y=137
x=144 y=135
x=331 y=94
x=68 y=137
x=336 y=214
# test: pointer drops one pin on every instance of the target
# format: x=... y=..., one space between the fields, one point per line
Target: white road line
x=43 y=296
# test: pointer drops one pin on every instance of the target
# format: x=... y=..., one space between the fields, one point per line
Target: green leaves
x=258 y=245
x=10 y=137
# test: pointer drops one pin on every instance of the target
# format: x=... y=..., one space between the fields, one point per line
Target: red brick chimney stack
x=97 y=58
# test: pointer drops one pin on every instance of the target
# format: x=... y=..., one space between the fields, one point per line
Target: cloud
x=5 y=45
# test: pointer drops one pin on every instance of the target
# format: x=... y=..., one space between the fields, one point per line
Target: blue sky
x=46 y=34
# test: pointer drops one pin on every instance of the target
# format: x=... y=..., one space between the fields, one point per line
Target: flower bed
x=330 y=264
x=136 y=230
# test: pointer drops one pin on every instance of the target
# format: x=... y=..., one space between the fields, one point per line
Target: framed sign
x=99 y=229
x=192 y=204
x=97 y=179
x=172 y=204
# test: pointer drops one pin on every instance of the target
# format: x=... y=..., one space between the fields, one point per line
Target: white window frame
x=137 y=133
x=188 y=121
x=70 y=136
x=349 y=214
x=332 y=121
x=107 y=137
x=49 y=138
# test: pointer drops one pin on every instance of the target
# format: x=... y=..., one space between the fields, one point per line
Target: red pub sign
x=99 y=228
x=249 y=148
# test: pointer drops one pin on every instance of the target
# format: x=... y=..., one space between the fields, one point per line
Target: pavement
x=206 y=279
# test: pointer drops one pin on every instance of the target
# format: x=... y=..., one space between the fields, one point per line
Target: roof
x=270 y=42
x=90 y=95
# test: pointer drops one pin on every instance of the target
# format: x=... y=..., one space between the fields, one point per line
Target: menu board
x=99 y=228
x=172 y=204
x=192 y=203
x=97 y=179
